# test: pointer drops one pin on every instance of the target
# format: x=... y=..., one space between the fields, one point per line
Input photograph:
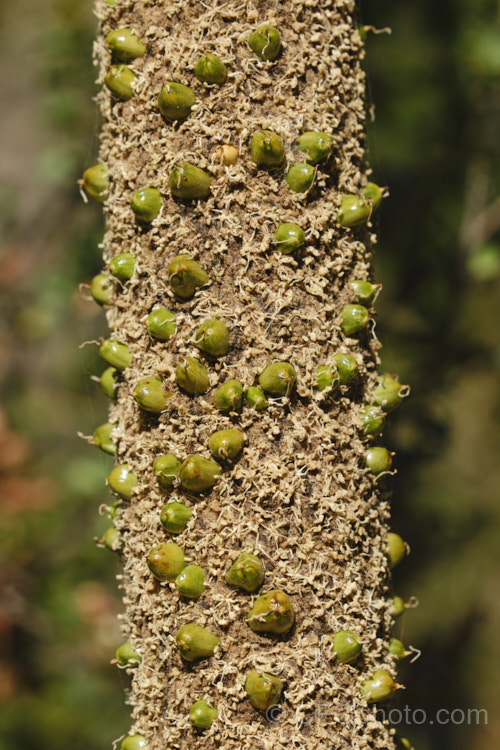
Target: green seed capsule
x=246 y=573
x=125 y=45
x=353 y=211
x=226 y=445
x=212 y=337
x=192 y=376
x=112 y=539
x=186 y=276
x=266 y=149
x=146 y=204
x=354 y=319
x=134 y=742
x=374 y=193
x=378 y=460
x=278 y=379
x=127 y=656
x=403 y=744
x=122 y=481
x=150 y=395
x=119 y=80
x=346 y=646
x=109 y=382
x=373 y=420
x=196 y=642
x=115 y=353
x=379 y=687
x=347 y=367
x=176 y=101
x=160 y=324
x=263 y=689
x=191 y=581
x=364 y=292
x=389 y=392
x=289 y=237
x=175 y=517
x=327 y=378
x=256 y=399
x=165 y=561
x=102 y=438
x=271 y=613
x=198 y=474
x=228 y=398
x=265 y=42
x=300 y=177
x=189 y=183
x=398 y=607
x=101 y=289
x=318 y=146
x=165 y=469
x=201 y=715
x=210 y=69
x=396 y=549
x=95 y=182
x=122 y=266
x=397 y=649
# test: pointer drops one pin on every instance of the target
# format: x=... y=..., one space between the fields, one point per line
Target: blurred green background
x=435 y=88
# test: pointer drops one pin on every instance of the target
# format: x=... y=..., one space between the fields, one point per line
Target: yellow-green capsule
x=354 y=211
x=112 y=539
x=271 y=613
x=125 y=45
x=289 y=237
x=389 y=392
x=146 y=204
x=373 y=420
x=266 y=149
x=150 y=394
x=398 y=607
x=160 y=324
x=165 y=469
x=196 y=642
x=96 y=183
x=397 y=649
x=263 y=689
x=175 y=517
x=212 y=337
x=396 y=549
x=210 y=69
x=185 y=276
x=115 y=353
x=109 y=382
x=379 y=687
x=375 y=194
x=119 y=80
x=226 y=445
x=198 y=474
x=176 y=101
x=378 y=459
x=122 y=266
x=165 y=561
x=318 y=146
x=192 y=376
x=127 y=656
x=265 y=42
x=189 y=183
x=201 y=715
x=403 y=744
x=191 y=581
x=300 y=177
x=347 y=367
x=255 y=399
x=354 y=319
x=134 y=742
x=364 y=291
x=246 y=573
x=278 y=379
x=122 y=481
x=102 y=438
x=228 y=398
x=346 y=646
x=327 y=378
x=101 y=289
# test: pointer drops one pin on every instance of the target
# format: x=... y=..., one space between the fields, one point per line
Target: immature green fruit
x=196 y=642
x=186 y=276
x=95 y=182
x=271 y=613
x=389 y=392
x=176 y=101
x=263 y=689
x=122 y=266
x=265 y=42
x=278 y=379
x=246 y=573
x=317 y=146
x=192 y=376
x=109 y=382
x=112 y=539
x=119 y=80
x=289 y=237
x=374 y=193
x=146 y=204
x=165 y=469
x=150 y=395
x=212 y=337
x=115 y=353
x=327 y=378
x=353 y=211
x=122 y=481
x=256 y=399
x=101 y=289
x=175 y=517
x=165 y=561
x=354 y=319
x=398 y=607
x=210 y=69
x=300 y=177
x=201 y=715
x=198 y=474
x=160 y=324
x=396 y=549
x=364 y=291
x=403 y=744
x=266 y=149
x=102 y=438
x=191 y=581
x=125 y=45
x=189 y=183
x=226 y=445
x=379 y=687
x=346 y=646
x=378 y=459
x=373 y=420
x=397 y=649
x=134 y=742
x=347 y=367
x=127 y=656
x=228 y=398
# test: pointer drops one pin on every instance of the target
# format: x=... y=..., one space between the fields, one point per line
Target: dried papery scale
x=299 y=496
